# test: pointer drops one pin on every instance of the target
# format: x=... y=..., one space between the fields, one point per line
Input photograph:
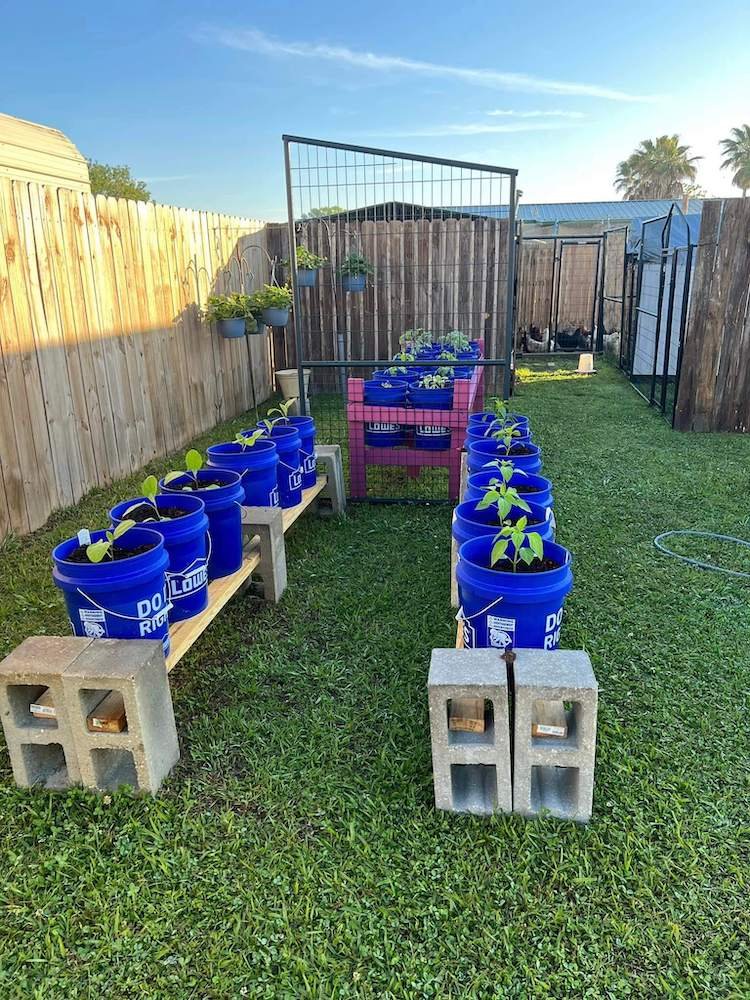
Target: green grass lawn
x=296 y=852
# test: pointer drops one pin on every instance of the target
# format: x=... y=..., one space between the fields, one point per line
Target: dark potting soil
x=78 y=555
x=145 y=512
x=520 y=449
x=543 y=566
x=528 y=489
x=531 y=521
x=202 y=484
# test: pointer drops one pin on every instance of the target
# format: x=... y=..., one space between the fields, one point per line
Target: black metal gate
x=408 y=250
x=659 y=277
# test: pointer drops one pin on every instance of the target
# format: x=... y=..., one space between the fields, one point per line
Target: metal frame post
x=298 y=339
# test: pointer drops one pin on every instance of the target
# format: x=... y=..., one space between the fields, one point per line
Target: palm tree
x=659 y=168
x=737 y=157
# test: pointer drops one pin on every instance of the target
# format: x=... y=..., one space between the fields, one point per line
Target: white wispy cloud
x=251 y=40
x=471 y=128
x=536 y=114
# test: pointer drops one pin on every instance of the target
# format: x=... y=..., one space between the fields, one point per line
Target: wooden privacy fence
x=441 y=274
x=104 y=363
x=714 y=386
x=556 y=284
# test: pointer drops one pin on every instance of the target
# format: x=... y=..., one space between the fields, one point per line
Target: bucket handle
x=461 y=617
x=291 y=468
x=116 y=614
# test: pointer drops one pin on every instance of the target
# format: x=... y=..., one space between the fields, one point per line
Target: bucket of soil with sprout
x=255 y=459
x=512 y=588
x=534 y=489
x=289 y=469
x=502 y=445
x=432 y=392
x=222 y=494
x=180 y=518
x=114 y=583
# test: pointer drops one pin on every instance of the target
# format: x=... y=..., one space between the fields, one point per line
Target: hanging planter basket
x=353 y=282
x=275 y=317
x=231 y=329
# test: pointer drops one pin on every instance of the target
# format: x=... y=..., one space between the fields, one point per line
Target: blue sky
x=195 y=96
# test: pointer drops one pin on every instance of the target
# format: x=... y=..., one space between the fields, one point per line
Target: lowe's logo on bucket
x=309 y=464
x=435 y=431
x=552 y=629
x=273 y=497
x=153 y=612
x=501 y=632
x=295 y=479
x=382 y=428
x=191 y=579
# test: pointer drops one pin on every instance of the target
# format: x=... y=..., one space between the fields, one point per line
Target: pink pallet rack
x=468 y=397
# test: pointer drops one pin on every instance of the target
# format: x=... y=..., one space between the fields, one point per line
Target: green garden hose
x=697 y=562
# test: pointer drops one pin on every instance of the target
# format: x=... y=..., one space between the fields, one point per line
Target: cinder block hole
x=554 y=715
x=113 y=767
x=21 y=698
x=45 y=765
x=474 y=788
x=463 y=711
x=555 y=789
x=103 y=710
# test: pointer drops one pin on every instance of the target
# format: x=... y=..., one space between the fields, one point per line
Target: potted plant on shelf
x=222 y=493
x=274 y=303
x=354 y=270
x=114 y=583
x=180 y=518
x=232 y=314
x=308 y=265
x=432 y=392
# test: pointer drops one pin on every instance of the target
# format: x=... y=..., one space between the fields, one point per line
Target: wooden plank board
x=185 y=633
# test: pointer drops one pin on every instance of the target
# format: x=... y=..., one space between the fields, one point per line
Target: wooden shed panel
x=31 y=152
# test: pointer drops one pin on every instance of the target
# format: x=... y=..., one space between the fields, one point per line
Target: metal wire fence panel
x=393 y=265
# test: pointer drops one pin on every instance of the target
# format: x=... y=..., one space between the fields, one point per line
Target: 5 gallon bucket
x=430 y=438
x=289 y=471
x=306 y=428
x=256 y=466
x=484 y=432
x=385 y=393
x=185 y=541
x=468 y=522
x=126 y=599
x=383 y=434
x=224 y=513
x=502 y=609
x=482 y=452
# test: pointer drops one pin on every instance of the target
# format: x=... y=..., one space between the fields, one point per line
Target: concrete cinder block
x=143 y=754
x=329 y=457
x=471 y=771
x=42 y=751
x=548 y=772
x=268 y=525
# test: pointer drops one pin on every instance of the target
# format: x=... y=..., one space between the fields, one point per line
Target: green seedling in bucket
x=445 y=370
x=395 y=370
x=434 y=382
x=149 y=489
x=503 y=496
x=504 y=435
x=459 y=341
x=527 y=548
x=193 y=465
x=403 y=356
x=283 y=412
x=97 y=551
x=247 y=441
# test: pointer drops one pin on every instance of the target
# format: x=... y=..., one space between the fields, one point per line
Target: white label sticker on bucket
x=84 y=537
x=501 y=632
x=94 y=622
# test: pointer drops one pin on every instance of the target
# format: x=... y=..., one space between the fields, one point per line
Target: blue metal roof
x=586 y=211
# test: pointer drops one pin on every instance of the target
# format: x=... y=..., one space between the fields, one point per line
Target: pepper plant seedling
x=97 y=551
x=503 y=496
x=434 y=382
x=527 y=548
x=193 y=465
x=283 y=411
x=149 y=489
x=247 y=441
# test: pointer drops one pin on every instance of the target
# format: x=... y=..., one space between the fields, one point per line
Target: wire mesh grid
x=411 y=267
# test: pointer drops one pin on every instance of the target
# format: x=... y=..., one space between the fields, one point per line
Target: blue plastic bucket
x=484 y=432
x=383 y=434
x=256 y=466
x=486 y=417
x=431 y=399
x=390 y=393
x=468 y=522
x=478 y=482
x=306 y=428
x=501 y=609
x=353 y=282
x=482 y=452
x=224 y=513
x=126 y=599
x=410 y=375
x=430 y=438
x=307 y=277
x=289 y=470
x=186 y=543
